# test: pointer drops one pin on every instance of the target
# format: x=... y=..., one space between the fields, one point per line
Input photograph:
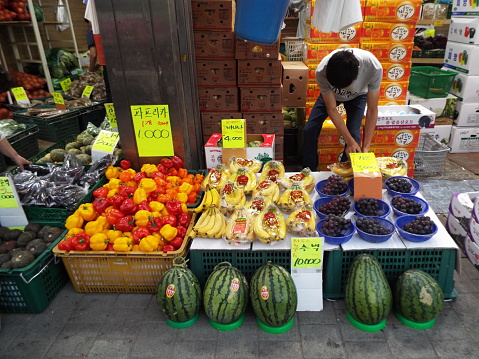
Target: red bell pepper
x=81 y=241
x=128 y=206
x=166 y=162
x=158 y=174
x=170 y=219
x=116 y=200
x=155 y=224
x=139 y=176
x=177 y=162
x=174 y=207
x=125 y=164
x=184 y=219
x=168 y=248
x=177 y=242
x=144 y=205
x=126 y=191
x=100 y=192
x=181 y=231
x=100 y=204
x=139 y=233
x=161 y=168
x=66 y=244
x=125 y=224
x=109 y=247
x=113 y=215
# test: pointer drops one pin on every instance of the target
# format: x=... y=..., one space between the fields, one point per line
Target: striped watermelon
x=368 y=294
x=273 y=295
x=418 y=297
x=179 y=293
x=225 y=295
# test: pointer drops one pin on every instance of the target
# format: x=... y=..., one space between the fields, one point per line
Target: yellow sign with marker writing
x=106 y=141
x=66 y=84
x=307 y=252
x=152 y=130
x=87 y=91
x=111 y=115
x=58 y=98
x=20 y=94
x=364 y=162
x=7 y=197
x=233 y=133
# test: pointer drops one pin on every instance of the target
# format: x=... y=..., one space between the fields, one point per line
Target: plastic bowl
x=376 y=238
x=403 y=220
x=384 y=209
x=424 y=206
x=322 y=201
x=414 y=189
x=347 y=233
x=320 y=185
x=351 y=185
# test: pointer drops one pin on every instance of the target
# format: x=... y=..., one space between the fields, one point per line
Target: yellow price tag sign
x=58 y=98
x=111 y=115
x=20 y=94
x=87 y=91
x=438 y=23
x=307 y=252
x=7 y=196
x=152 y=130
x=364 y=162
x=106 y=141
x=234 y=133
x=66 y=84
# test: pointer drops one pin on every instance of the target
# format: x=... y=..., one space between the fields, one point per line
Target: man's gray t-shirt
x=369 y=76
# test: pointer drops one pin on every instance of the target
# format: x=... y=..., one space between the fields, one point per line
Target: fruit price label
x=234 y=133
x=20 y=95
x=59 y=101
x=87 y=91
x=7 y=195
x=111 y=115
x=152 y=130
x=364 y=162
x=307 y=252
x=66 y=84
x=106 y=141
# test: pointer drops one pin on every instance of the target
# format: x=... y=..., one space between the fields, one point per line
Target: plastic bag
x=62 y=16
x=97 y=170
x=67 y=196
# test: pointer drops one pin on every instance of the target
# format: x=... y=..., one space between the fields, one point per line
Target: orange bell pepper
x=125 y=176
x=182 y=172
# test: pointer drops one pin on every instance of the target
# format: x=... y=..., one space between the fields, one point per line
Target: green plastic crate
x=430 y=82
x=437 y=262
x=60 y=144
x=25 y=142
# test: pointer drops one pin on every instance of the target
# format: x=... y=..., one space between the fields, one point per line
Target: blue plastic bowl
x=347 y=234
x=424 y=206
x=322 y=201
x=414 y=189
x=374 y=238
x=320 y=185
x=384 y=209
x=351 y=185
x=403 y=220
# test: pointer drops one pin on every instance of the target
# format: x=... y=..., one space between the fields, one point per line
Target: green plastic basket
x=25 y=142
x=58 y=145
x=430 y=82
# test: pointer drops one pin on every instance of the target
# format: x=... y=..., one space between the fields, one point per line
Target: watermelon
x=225 y=295
x=368 y=295
x=273 y=295
x=418 y=297
x=179 y=293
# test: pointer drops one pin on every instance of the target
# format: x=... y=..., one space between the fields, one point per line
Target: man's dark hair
x=5 y=81
x=342 y=69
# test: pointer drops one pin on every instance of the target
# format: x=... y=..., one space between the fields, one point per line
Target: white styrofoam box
x=466 y=87
x=464 y=8
x=473 y=230
x=475 y=209
x=464 y=139
x=464 y=29
x=457 y=231
x=397 y=117
x=461 y=206
x=468 y=114
x=462 y=57
x=440 y=132
x=472 y=251
x=309 y=300
x=441 y=106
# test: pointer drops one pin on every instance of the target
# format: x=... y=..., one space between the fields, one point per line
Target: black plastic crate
x=25 y=142
x=94 y=114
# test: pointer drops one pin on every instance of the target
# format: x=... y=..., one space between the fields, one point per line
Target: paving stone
x=405 y=342
x=370 y=350
x=118 y=349
x=279 y=350
x=326 y=316
x=457 y=349
x=198 y=349
x=74 y=339
x=322 y=341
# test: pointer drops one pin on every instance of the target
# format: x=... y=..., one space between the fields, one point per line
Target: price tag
x=20 y=95
x=364 y=162
x=7 y=196
x=234 y=133
x=106 y=141
x=111 y=115
x=438 y=23
x=152 y=130
x=307 y=252
x=87 y=91
x=66 y=84
x=430 y=32
x=59 y=101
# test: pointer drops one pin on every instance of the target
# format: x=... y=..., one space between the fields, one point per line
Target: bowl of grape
x=406 y=204
x=416 y=228
x=339 y=206
x=374 y=229
x=331 y=187
x=335 y=229
x=371 y=207
x=398 y=185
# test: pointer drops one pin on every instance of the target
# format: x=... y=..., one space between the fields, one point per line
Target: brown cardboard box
x=260 y=99
x=211 y=121
x=214 y=44
x=213 y=14
x=259 y=72
x=246 y=50
x=214 y=73
x=279 y=148
x=218 y=99
x=368 y=181
x=271 y=122
x=295 y=83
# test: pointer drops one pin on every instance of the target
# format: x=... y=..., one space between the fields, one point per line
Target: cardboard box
x=218 y=99
x=468 y=114
x=461 y=207
x=259 y=72
x=317 y=51
x=392 y=10
x=412 y=116
x=214 y=44
x=393 y=91
x=312 y=74
x=462 y=7
x=392 y=103
x=388 y=32
x=295 y=83
x=246 y=50
x=279 y=148
x=460 y=29
x=396 y=137
x=443 y=107
x=466 y=87
x=214 y=154
x=261 y=99
x=459 y=234
x=393 y=71
x=216 y=73
x=441 y=133
x=389 y=52
x=211 y=121
x=312 y=94
x=213 y=14
x=349 y=35
x=462 y=57
x=464 y=139
x=368 y=182
x=271 y=122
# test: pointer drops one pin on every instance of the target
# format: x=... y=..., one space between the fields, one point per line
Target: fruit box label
x=465 y=7
x=464 y=29
x=392 y=10
x=348 y=35
x=387 y=31
x=316 y=51
x=214 y=44
x=393 y=91
x=468 y=114
x=393 y=72
x=464 y=139
x=461 y=206
x=389 y=52
x=466 y=87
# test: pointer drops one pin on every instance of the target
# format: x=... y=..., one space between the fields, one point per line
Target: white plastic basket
x=430 y=156
x=295 y=48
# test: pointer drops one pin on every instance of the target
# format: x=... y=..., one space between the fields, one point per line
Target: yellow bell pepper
x=73 y=231
x=142 y=217
x=132 y=183
x=184 y=207
x=185 y=188
x=132 y=171
x=111 y=193
x=112 y=172
x=155 y=214
x=149 y=244
x=74 y=221
x=168 y=232
x=148 y=184
x=98 y=242
x=135 y=248
x=164 y=212
x=148 y=169
x=87 y=212
x=128 y=235
x=182 y=197
x=156 y=206
x=114 y=183
x=93 y=227
x=113 y=234
x=122 y=244
x=173 y=179
x=139 y=195
x=104 y=222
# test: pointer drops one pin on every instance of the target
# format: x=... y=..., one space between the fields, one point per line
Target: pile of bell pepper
x=142 y=210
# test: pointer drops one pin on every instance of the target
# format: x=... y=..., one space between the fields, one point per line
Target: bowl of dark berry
x=416 y=228
x=331 y=187
x=371 y=207
x=398 y=185
x=335 y=229
x=375 y=229
x=339 y=206
x=406 y=204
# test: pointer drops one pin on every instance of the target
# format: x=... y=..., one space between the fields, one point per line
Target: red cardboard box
x=392 y=10
x=295 y=82
x=388 y=31
x=214 y=44
x=393 y=91
x=312 y=93
x=246 y=50
x=213 y=14
x=316 y=52
x=399 y=137
x=349 y=35
x=216 y=73
x=395 y=71
x=218 y=99
x=211 y=121
x=260 y=99
x=271 y=122
x=259 y=72
x=389 y=51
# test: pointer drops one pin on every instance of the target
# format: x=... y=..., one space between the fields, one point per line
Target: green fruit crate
x=25 y=142
x=437 y=262
x=430 y=82
x=58 y=145
x=31 y=289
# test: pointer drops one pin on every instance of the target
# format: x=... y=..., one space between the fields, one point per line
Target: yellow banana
x=236 y=163
x=219 y=220
x=216 y=177
x=257 y=203
x=208 y=225
x=270 y=225
x=272 y=170
x=215 y=197
x=259 y=230
x=293 y=198
x=302 y=222
x=305 y=178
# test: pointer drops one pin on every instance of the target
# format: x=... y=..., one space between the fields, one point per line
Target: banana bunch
x=293 y=198
x=269 y=225
x=211 y=224
x=231 y=196
x=258 y=203
x=267 y=188
x=244 y=179
x=302 y=222
x=216 y=177
x=239 y=229
x=235 y=163
x=305 y=178
x=211 y=197
x=272 y=170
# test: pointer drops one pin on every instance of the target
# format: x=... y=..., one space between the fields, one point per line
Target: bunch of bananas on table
x=232 y=197
x=211 y=197
x=294 y=198
x=302 y=222
x=269 y=225
x=216 y=177
x=211 y=224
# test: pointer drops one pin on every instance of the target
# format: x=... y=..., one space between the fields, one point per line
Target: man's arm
x=371 y=119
